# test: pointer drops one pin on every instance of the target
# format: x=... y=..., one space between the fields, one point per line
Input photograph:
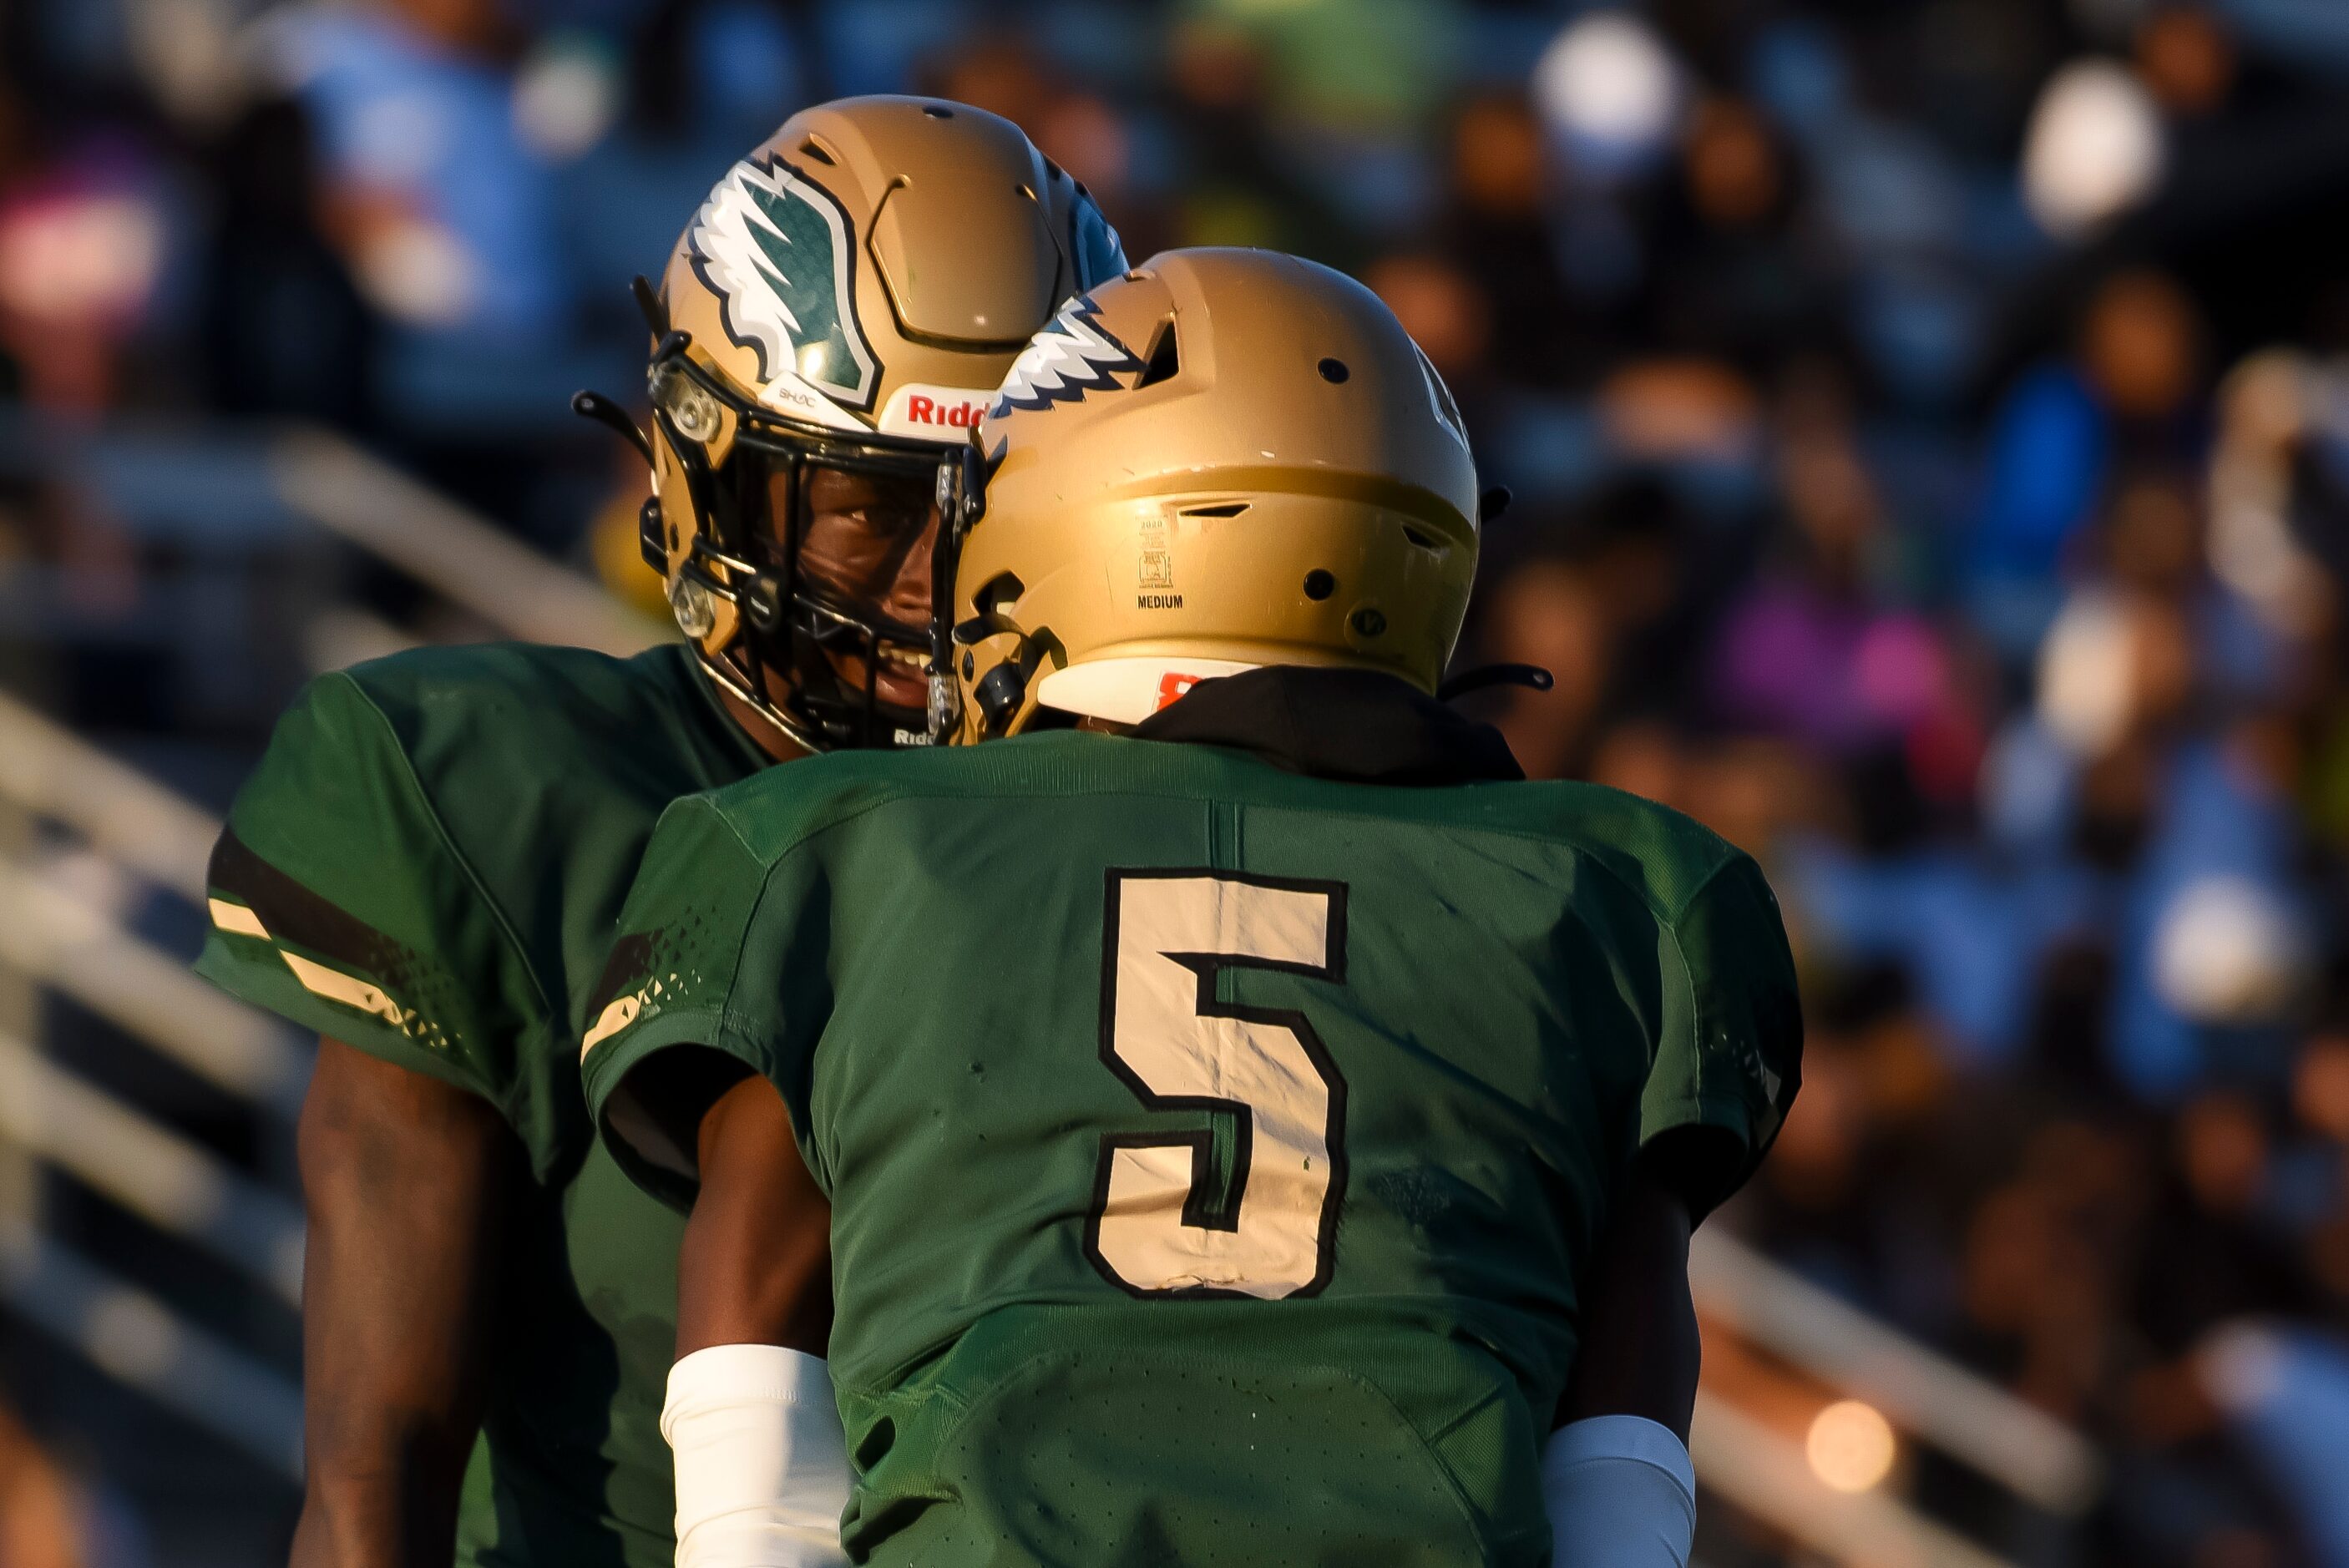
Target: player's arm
x=1640 y=1352
x=755 y=1267
x=409 y=1183
x=1617 y=1476
x=338 y=902
x=684 y=1072
x=761 y=1466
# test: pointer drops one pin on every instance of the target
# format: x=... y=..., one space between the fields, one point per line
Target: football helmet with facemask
x=1223 y=459
x=829 y=329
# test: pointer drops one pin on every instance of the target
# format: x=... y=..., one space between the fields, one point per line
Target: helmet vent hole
x=938 y=111
x=1419 y=539
x=1221 y=508
x=1319 y=585
x=816 y=149
x=1334 y=370
x=1165 y=359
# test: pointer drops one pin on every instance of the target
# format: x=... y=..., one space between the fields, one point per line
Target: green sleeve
x=337 y=902
x=713 y=942
x=1730 y=1055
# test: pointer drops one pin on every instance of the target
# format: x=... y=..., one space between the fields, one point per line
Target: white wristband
x=1621 y=1494
x=762 y=1465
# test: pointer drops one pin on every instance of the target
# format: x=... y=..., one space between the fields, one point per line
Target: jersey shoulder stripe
x=251 y=898
x=428 y=859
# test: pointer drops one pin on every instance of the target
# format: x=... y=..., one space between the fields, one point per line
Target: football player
x=1257 y=1126
x=427 y=866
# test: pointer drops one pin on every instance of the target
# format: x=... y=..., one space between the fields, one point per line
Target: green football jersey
x=1214 y=1151
x=427 y=864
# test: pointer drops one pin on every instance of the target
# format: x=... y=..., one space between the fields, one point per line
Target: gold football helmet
x=1224 y=458
x=828 y=331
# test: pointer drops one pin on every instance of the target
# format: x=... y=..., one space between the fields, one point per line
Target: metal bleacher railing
x=49 y=934
x=47 y=1112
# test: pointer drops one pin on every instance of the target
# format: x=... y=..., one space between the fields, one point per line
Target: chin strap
x=604 y=411
x=1531 y=676
x=1000 y=692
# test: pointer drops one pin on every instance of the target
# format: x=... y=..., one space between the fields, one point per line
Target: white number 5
x=1156 y=1225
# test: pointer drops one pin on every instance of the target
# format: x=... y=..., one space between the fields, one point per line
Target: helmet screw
x=945 y=705
x=696 y=612
x=762 y=604
x=1319 y=585
x=649 y=532
x=693 y=408
x=1369 y=623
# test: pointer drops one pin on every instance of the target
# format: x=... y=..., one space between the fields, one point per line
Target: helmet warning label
x=1154 y=575
x=932 y=413
x=1156 y=559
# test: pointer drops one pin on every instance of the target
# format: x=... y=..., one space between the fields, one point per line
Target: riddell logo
x=933 y=411
x=1173 y=685
x=922 y=410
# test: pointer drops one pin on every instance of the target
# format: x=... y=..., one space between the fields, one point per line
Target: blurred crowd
x=1930 y=437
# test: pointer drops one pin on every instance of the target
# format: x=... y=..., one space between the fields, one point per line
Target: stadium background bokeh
x=1929 y=436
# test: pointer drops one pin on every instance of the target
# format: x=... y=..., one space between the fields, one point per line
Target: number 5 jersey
x=1217 y=1119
